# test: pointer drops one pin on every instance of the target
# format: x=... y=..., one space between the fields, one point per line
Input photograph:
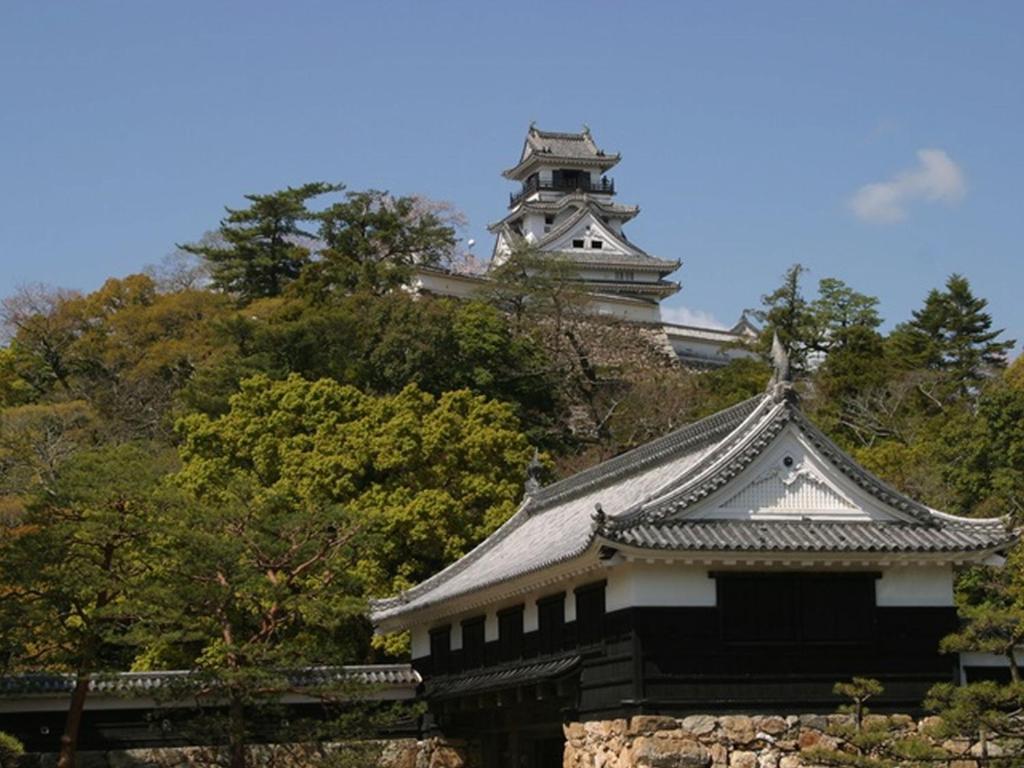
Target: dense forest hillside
x=212 y=465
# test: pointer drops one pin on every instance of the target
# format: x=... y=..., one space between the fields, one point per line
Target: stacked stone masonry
x=741 y=741
x=393 y=753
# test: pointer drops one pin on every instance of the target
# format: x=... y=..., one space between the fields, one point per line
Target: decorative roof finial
x=781 y=383
x=600 y=518
x=533 y=472
x=780 y=360
x=586 y=129
x=533 y=125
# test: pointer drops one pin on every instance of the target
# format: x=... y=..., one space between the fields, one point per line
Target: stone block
x=743 y=759
x=818 y=722
x=768 y=758
x=790 y=761
x=927 y=724
x=445 y=756
x=699 y=725
x=876 y=721
x=991 y=750
x=650 y=752
x=719 y=755
x=957 y=746
x=574 y=731
x=773 y=725
x=645 y=724
x=738 y=729
x=901 y=721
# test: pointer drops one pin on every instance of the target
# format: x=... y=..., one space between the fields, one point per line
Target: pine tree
x=952 y=333
x=260 y=249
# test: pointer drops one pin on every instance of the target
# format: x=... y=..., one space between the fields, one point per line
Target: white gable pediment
x=791 y=481
x=589 y=227
x=789 y=489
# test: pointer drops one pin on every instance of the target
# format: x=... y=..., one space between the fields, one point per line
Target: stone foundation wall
x=394 y=753
x=739 y=741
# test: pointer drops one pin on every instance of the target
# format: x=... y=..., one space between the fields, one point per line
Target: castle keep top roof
x=553 y=148
x=756 y=482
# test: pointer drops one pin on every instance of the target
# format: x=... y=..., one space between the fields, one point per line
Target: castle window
x=596 y=244
x=796 y=608
x=510 y=633
x=440 y=649
x=549 y=219
x=578 y=243
x=551 y=622
x=590 y=613
x=473 y=643
x=625 y=275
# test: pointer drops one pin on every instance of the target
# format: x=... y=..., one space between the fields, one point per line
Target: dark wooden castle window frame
x=441 y=649
x=590 y=613
x=474 y=642
x=551 y=623
x=510 y=633
x=793 y=608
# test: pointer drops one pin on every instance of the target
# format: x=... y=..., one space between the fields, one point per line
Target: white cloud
x=687 y=316
x=935 y=179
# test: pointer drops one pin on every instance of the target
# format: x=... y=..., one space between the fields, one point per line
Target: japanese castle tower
x=565 y=208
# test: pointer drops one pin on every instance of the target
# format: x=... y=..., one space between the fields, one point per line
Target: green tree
x=952 y=333
x=840 y=314
x=423 y=477
x=263 y=247
x=371 y=241
x=858 y=690
x=70 y=570
x=786 y=312
x=983 y=452
x=248 y=587
x=983 y=709
x=990 y=628
x=304 y=498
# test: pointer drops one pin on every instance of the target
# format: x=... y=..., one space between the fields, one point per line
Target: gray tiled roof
x=644 y=496
x=495 y=679
x=579 y=145
x=572 y=148
x=555 y=523
x=809 y=536
x=571 y=199
x=140 y=683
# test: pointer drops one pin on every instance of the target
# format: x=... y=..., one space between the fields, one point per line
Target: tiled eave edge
x=578 y=564
x=535 y=159
x=799 y=560
x=568 y=200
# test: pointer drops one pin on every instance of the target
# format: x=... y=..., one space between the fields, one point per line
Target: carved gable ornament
x=797 y=489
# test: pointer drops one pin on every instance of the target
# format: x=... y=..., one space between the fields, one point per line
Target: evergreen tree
x=952 y=333
x=787 y=313
x=261 y=248
x=371 y=240
x=72 y=567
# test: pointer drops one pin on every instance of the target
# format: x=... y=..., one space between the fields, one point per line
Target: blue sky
x=749 y=131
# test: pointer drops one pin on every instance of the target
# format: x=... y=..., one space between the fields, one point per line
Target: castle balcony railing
x=604 y=185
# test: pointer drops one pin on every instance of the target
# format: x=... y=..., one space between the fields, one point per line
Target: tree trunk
x=236 y=733
x=1011 y=657
x=73 y=723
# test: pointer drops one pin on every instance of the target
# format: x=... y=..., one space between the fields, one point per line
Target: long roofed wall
x=737 y=557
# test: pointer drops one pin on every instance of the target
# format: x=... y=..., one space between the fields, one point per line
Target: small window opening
x=596 y=244
x=577 y=243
